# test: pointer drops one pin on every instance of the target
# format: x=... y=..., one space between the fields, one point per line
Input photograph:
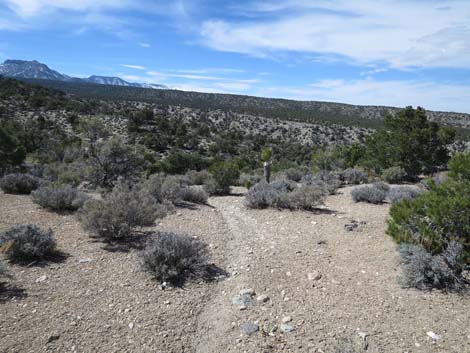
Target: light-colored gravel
x=331 y=283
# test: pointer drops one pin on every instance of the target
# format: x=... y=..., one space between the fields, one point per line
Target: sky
x=373 y=52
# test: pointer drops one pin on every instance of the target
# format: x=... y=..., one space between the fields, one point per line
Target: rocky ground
x=296 y=282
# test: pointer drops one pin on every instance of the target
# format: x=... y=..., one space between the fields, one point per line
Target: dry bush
x=59 y=197
x=19 y=183
x=375 y=193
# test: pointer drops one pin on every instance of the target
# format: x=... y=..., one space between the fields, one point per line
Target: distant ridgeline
x=283 y=109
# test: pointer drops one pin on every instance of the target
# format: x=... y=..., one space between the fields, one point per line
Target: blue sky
x=377 y=52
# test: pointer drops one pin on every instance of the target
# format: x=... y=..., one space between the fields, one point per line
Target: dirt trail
x=97 y=300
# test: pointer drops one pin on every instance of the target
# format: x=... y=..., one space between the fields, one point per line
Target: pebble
x=262 y=298
x=286 y=319
x=434 y=336
x=286 y=328
x=41 y=279
x=314 y=276
x=249 y=328
x=84 y=260
x=240 y=300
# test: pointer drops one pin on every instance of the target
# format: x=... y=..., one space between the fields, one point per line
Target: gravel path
x=321 y=281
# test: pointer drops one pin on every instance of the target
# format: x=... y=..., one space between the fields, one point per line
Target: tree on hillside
x=12 y=152
x=409 y=140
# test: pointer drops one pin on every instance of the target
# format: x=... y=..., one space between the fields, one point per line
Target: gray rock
x=314 y=276
x=286 y=319
x=286 y=328
x=263 y=298
x=242 y=300
x=41 y=279
x=249 y=328
x=247 y=291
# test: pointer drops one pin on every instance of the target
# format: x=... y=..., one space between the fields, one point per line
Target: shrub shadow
x=136 y=241
x=211 y=273
x=9 y=291
x=55 y=257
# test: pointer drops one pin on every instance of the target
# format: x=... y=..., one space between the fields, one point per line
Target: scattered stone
x=41 y=279
x=131 y=325
x=243 y=307
x=365 y=343
x=263 y=298
x=84 y=260
x=286 y=319
x=249 y=328
x=240 y=300
x=53 y=337
x=286 y=328
x=354 y=225
x=314 y=276
x=434 y=336
x=247 y=291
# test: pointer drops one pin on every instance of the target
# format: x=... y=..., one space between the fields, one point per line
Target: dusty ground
x=97 y=300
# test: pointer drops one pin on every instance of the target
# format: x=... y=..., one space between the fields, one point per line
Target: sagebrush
x=59 y=197
x=18 y=183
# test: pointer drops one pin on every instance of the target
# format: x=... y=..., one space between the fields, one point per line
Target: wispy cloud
x=136 y=67
x=145 y=45
x=399 y=93
x=400 y=33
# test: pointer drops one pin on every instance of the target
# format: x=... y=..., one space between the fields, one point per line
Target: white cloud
x=430 y=95
x=145 y=45
x=397 y=32
x=136 y=67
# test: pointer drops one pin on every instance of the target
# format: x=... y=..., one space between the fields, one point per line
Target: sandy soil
x=96 y=299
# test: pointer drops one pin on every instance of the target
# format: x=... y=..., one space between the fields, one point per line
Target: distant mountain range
x=23 y=69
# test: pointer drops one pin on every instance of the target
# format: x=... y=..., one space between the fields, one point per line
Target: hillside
x=283 y=109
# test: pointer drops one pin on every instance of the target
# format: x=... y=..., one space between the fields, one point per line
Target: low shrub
x=119 y=212
x=281 y=194
x=262 y=195
x=3 y=270
x=59 y=197
x=19 y=183
x=394 y=175
x=352 y=176
x=422 y=270
x=293 y=174
x=249 y=178
x=174 y=257
x=459 y=166
x=305 y=197
x=153 y=185
x=194 y=194
x=27 y=242
x=400 y=193
x=434 y=219
x=326 y=180
x=197 y=177
x=172 y=188
x=374 y=193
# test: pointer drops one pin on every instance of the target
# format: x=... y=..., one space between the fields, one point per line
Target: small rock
x=263 y=298
x=242 y=300
x=286 y=319
x=53 y=337
x=314 y=276
x=288 y=274
x=286 y=328
x=84 y=260
x=131 y=325
x=434 y=336
x=247 y=291
x=249 y=328
x=243 y=307
x=41 y=279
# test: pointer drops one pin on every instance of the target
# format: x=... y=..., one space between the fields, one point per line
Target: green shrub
x=12 y=152
x=326 y=180
x=59 y=197
x=459 y=166
x=27 y=242
x=400 y=193
x=394 y=175
x=172 y=188
x=434 y=218
x=174 y=257
x=197 y=177
x=305 y=197
x=19 y=183
x=119 y=212
x=225 y=174
x=262 y=195
x=422 y=270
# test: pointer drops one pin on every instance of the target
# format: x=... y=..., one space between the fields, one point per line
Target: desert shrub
x=225 y=174
x=326 y=180
x=120 y=211
x=369 y=193
x=73 y=173
x=262 y=195
x=3 y=269
x=394 y=175
x=59 y=197
x=173 y=257
x=27 y=242
x=19 y=183
x=283 y=186
x=172 y=188
x=193 y=194
x=294 y=174
x=113 y=160
x=434 y=218
x=329 y=159
x=422 y=270
x=305 y=197
x=437 y=179
x=352 y=176
x=249 y=178
x=12 y=152
x=211 y=187
x=197 y=177
x=153 y=185
x=400 y=193
x=459 y=166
